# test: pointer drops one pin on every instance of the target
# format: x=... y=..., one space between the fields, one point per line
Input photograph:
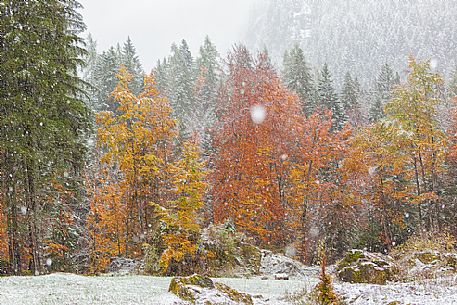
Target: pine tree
x=130 y=60
x=103 y=79
x=297 y=77
x=328 y=99
x=206 y=90
x=385 y=84
x=101 y=69
x=43 y=122
x=350 y=99
x=181 y=84
x=453 y=84
x=161 y=74
x=90 y=58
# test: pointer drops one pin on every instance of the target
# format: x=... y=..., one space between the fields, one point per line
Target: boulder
x=251 y=257
x=427 y=264
x=198 y=289
x=360 y=266
x=240 y=298
x=188 y=288
x=273 y=264
x=232 y=254
x=281 y=276
x=450 y=260
x=125 y=266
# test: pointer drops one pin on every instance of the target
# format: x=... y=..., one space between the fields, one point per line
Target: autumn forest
x=99 y=159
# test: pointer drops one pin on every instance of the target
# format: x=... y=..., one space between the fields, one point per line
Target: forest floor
x=69 y=289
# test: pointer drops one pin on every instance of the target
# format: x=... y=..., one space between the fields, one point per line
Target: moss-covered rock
x=450 y=260
x=427 y=257
x=184 y=287
x=202 y=289
x=426 y=264
x=236 y=296
x=251 y=258
x=232 y=253
x=360 y=266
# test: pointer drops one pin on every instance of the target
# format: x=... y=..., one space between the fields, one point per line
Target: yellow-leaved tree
x=397 y=163
x=132 y=179
x=182 y=215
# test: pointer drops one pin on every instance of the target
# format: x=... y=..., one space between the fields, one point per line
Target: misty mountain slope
x=358 y=36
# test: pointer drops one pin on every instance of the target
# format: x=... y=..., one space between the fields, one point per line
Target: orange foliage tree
x=318 y=192
x=252 y=152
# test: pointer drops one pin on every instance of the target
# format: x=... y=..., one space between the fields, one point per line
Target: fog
x=153 y=25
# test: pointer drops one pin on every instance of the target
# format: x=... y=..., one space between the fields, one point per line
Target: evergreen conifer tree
x=453 y=84
x=130 y=60
x=206 y=89
x=43 y=123
x=328 y=99
x=181 y=84
x=350 y=99
x=297 y=77
x=385 y=84
x=161 y=72
x=104 y=79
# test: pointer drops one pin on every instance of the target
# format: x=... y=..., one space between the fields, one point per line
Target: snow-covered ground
x=69 y=289
x=430 y=292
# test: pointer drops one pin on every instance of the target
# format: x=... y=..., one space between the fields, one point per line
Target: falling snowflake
x=258 y=114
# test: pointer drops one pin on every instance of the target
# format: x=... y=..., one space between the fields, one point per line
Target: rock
x=272 y=264
x=360 y=266
x=427 y=257
x=125 y=266
x=427 y=264
x=251 y=258
x=281 y=276
x=450 y=260
x=199 y=289
x=241 y=298
x=184 y=287
x=233 y=255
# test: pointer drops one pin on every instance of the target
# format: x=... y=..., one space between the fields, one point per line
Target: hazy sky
x=154 y=24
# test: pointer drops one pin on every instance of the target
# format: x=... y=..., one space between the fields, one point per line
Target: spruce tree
x=328 y=99
x=104 y=79
x=297 y=77
x=43 y=121
x=181 y=84
x=385 y=84
x=350 y=99
x=453 y=84
x=161 y=72
x=206 y=87
x=101 y=70
x=130 y=60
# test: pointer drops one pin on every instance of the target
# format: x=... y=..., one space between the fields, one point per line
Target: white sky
x=153 y=25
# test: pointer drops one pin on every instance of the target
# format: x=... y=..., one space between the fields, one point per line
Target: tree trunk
x=33 y=220
x=12 y=227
